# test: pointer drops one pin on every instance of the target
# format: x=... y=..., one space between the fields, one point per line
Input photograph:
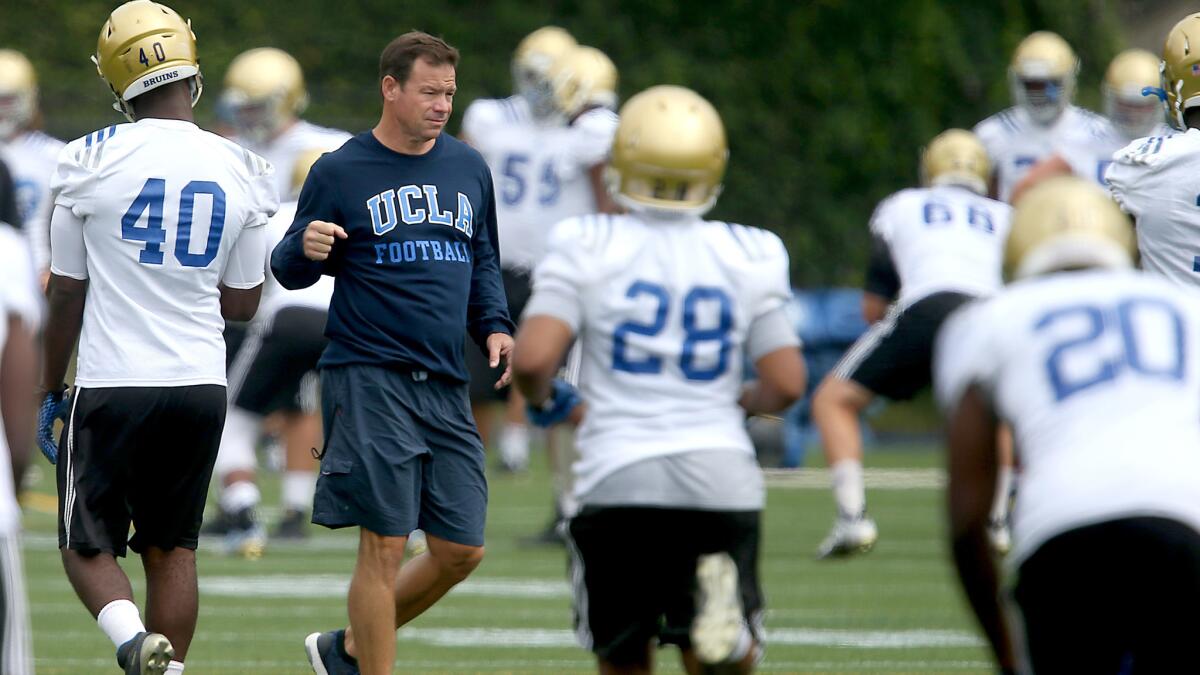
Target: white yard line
x=876 y=479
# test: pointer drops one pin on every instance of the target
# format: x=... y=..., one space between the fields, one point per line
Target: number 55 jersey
x=1098 y=372
x=155 y=215
x=667 y=311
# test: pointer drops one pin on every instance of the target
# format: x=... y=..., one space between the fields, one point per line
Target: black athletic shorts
x=518 y=287
x=140 y=454
x=894 y=357
x=1116 y=597
x=634 y=574
x=275 y=369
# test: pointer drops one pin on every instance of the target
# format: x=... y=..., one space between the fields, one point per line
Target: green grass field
x=896 y=610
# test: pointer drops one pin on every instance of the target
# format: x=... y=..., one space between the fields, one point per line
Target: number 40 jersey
x=1098 y=372
x=667 y=312
x=156 y=214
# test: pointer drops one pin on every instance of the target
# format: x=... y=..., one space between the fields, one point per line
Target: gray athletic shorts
x=401 y=452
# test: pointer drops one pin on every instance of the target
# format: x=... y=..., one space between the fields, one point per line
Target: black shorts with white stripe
x=16 y=651
x=137 y=454
x=276 y=367
x=894 y=357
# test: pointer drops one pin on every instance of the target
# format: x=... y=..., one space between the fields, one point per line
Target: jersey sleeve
x=68 y=255
x=773 y=288
x=559 y=279
x=318 y=201
x=965 y=353
x=74 y=179
x=481 y=115
x=1130 y=176
x=245 y=268
x=263 y=197
x=18 y=279
x=594 y=132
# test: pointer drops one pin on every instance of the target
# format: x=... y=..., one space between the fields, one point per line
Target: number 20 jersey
x=1098 y=372
x=163 y=204
x=663 y=309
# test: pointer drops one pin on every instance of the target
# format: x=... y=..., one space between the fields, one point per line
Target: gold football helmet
x=1042 y=75
x=264 y=91
x=669 y=153
x=583 y=77
x=1181 y=68
x=1131 y=73
x=535 y=54
x=302 y=165
x=956 y=157
x=1067 y=222
x=18 y=92
x=144 y=45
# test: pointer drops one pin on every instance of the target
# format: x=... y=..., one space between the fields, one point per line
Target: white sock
x=849 y=494
x=514 y=445
x=1004 y=480
x=240 y=495
x=120 y=621
x=174 y=668
x=298 y=489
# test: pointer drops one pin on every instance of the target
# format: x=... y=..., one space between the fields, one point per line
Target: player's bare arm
x=781 y=380
x=65 y=300
x=239 y=304
x=1054 y=165
x=319 y=237
x=874 y=306
x=971 y=441
x=542 y=343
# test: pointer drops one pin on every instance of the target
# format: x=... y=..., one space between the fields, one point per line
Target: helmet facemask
x=1044 y=99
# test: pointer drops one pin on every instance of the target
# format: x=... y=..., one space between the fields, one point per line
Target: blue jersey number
x=937 y=213
x=150 y=201
x=1093 y=369
x=694 y=333
x=515 y=169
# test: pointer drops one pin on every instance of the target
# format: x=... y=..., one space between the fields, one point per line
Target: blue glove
x=54 y=407
x=556 y=409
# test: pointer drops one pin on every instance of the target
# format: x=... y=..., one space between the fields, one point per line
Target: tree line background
x=826 y=102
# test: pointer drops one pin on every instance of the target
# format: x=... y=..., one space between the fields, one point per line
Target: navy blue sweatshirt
x=420 y=264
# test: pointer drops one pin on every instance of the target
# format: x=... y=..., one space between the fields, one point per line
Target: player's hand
x=564 y=400
x=54 y=407
x=319 y=237
x=500 y=346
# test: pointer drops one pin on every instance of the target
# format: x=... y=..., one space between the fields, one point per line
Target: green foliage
x=826 y=102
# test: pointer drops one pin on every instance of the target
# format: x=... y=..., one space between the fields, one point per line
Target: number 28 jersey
x=663 y=310
x=162 y=206
x=1098 y=372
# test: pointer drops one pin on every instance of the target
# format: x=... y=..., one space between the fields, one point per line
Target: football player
x=667 y=307
x=1096 y=369
x=1131 y=111
x=1153 y=179
x=264 y=96
x=546 y=147
x=157 y=236
x=1042 y=119
x=936 y=247
x=30 y=154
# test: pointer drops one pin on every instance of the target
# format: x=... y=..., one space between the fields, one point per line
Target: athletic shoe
x=848 y=537
x=326 y=654
x=246 y=536
x=145 y=654
x=719 y=626
x=292 y=526
x=217 y=526
x=554 y=534
x=999 y=536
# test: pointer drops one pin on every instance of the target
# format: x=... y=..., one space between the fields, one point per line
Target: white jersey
x=1015 y=142
x=21 y=296
x=31 y=157
x=161 y=213
x=1157 y=181
x=1098 y=373
x=540 y=170
x=276 y=297
x=663 y=310
x=281 y=151
x=945 y=238
x=1090 y=157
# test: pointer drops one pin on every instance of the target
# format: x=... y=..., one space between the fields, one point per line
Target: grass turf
x=895 y=610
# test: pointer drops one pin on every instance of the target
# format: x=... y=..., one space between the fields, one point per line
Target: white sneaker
x=999 y=536
x=848 y=537
x=719 y=626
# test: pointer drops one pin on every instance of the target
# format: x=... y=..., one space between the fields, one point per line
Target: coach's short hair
x=397 y=58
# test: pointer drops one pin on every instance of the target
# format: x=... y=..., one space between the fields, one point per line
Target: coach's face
x=422 y=105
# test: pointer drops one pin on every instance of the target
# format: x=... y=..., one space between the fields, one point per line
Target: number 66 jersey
x=1098 y=372
x=667 y=312
x=155 y=215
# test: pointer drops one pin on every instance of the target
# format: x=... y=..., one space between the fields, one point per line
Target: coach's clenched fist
x=319 y=237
